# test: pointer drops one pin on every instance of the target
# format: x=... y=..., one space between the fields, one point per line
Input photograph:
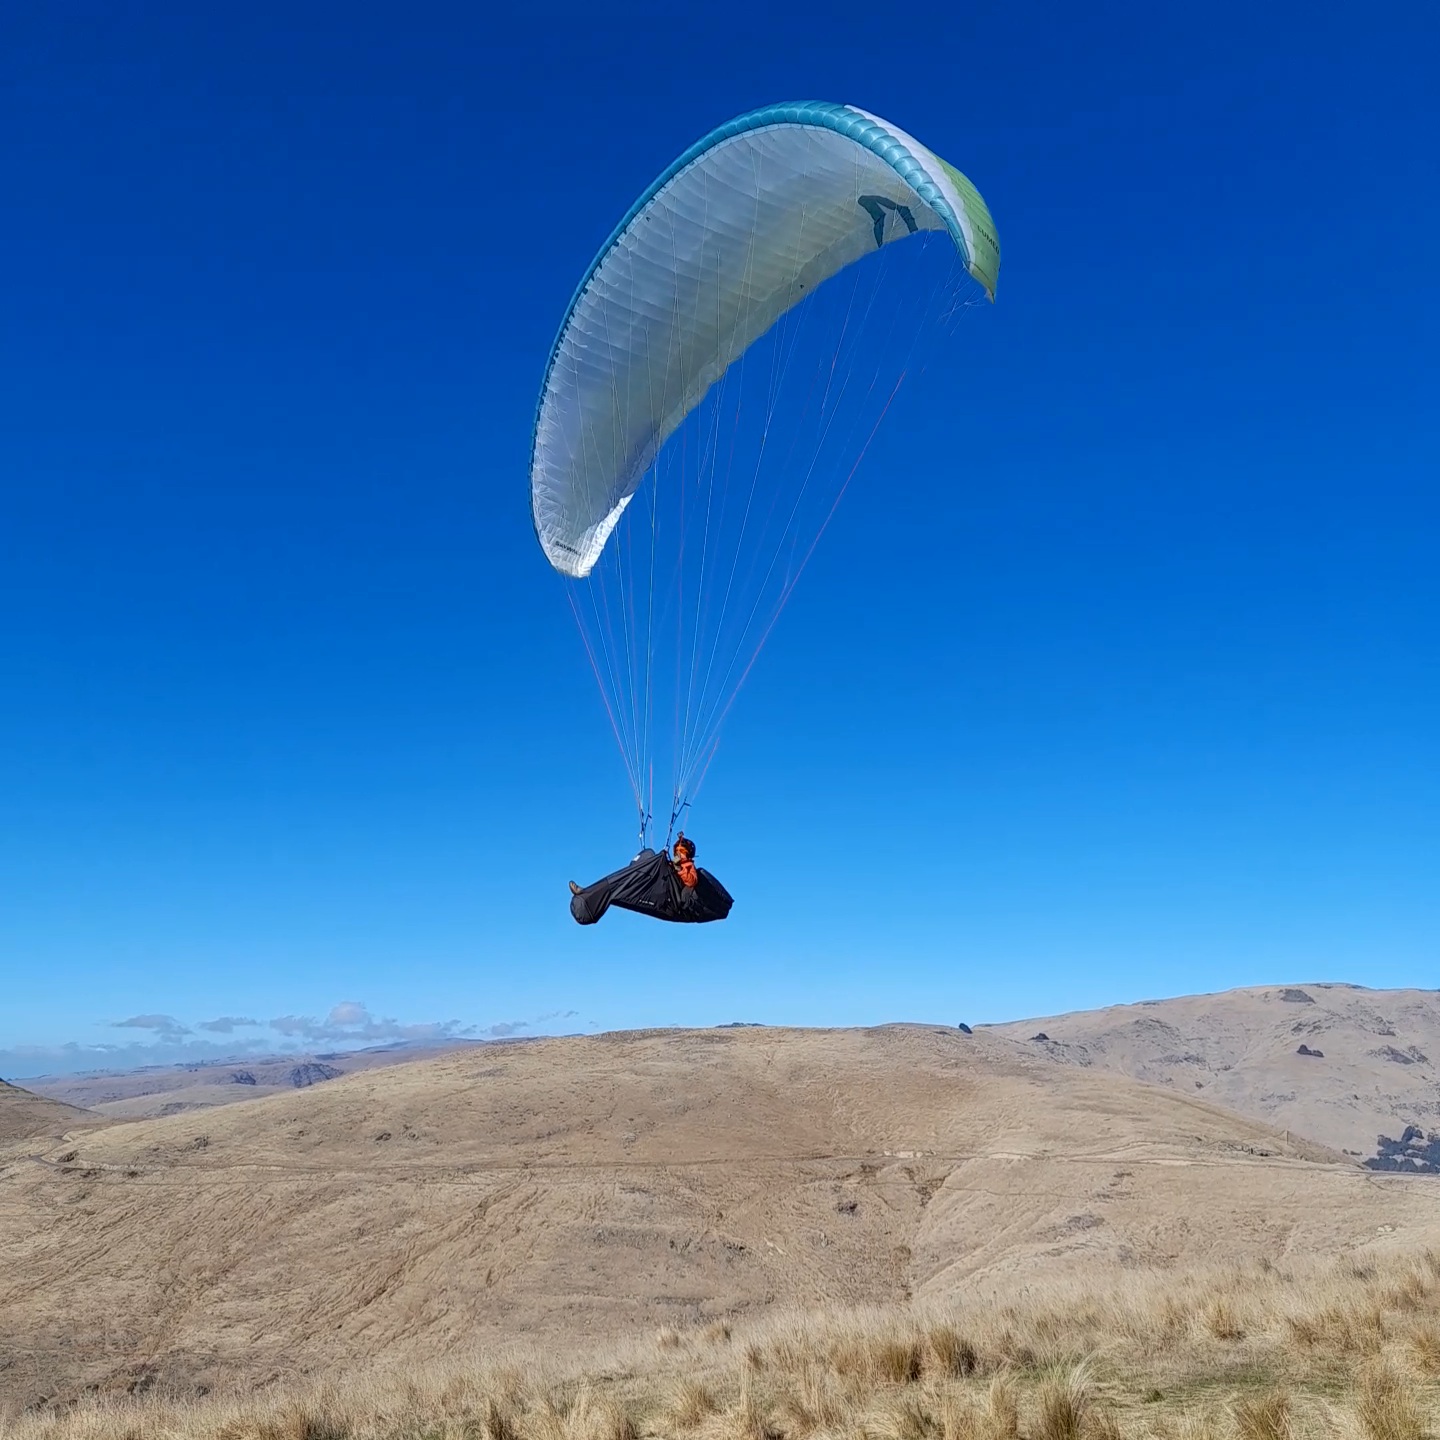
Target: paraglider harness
x=653 y=884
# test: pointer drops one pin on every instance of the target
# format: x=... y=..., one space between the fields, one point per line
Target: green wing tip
x=977 y=212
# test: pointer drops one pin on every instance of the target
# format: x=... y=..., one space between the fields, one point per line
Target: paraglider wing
x=739 y=230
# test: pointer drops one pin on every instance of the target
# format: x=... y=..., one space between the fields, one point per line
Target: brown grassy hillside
x=616 y=1184
x=1377 y=1070
x=1337 y=1350
x=24 y=1116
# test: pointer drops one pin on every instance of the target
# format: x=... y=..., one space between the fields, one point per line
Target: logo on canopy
x=877 y=206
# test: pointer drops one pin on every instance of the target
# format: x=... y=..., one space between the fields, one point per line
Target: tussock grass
x=1346 y=1351
x=1424 y=1341
x=1263 y=1417
x=1065 y=1405
x=948 y=1352
x=1223 y=1320
x=1001 y=1418
x=1387 y=1406
x=691 y=1402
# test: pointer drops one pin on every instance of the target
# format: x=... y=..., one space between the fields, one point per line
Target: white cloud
x=348 y=1025
x=166 y=1027
x=352 y=1022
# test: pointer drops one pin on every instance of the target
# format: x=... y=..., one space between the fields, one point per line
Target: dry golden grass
x=573 y=1193
x=1387 y=1405
x=691 y=1403
x=1344 y=1351
x=1263 y=1417
x=1065 y=1405
x=1001 y=1416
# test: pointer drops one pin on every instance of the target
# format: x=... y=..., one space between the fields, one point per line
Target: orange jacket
x=685 y=869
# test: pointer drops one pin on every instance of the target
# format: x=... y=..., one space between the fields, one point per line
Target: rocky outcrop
x=1412 y=1055
x=1414 y=1153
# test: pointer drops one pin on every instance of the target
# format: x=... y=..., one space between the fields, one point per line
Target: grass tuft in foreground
x=1347 y=1351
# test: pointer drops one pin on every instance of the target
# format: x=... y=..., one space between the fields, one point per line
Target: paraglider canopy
x=739 y=234
x=737 y=231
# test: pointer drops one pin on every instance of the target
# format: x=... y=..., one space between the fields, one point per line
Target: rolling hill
x=599 y=1186
x=1341 y=1064
x=25 y=1116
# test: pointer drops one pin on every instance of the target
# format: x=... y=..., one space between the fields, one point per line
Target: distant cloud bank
x=348 y=1025
x=350 y=1021
x=165 y=1026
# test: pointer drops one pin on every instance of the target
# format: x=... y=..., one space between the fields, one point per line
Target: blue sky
x=295 y=720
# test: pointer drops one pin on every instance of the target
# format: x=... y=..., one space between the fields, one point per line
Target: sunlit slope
x=24 y=1116
x=1377 y=1070
x=599 y=1186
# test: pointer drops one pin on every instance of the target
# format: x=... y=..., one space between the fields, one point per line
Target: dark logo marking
x=876 y=206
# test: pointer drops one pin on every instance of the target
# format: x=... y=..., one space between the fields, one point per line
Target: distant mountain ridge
x=159 y=1090
x=1355 y=1069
